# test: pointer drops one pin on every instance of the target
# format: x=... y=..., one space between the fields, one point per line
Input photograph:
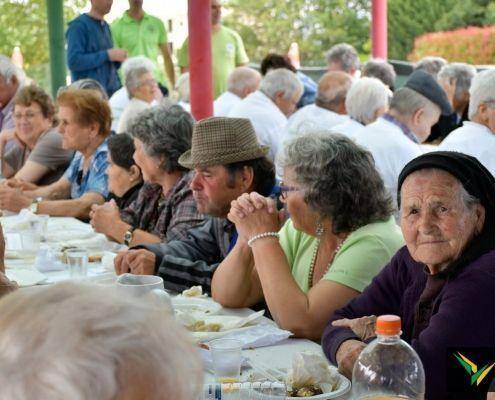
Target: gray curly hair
x=339 y=180
x=345 y=55
x=166 y=133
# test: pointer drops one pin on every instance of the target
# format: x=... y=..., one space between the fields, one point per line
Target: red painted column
x=379 y=29
x=200 y=73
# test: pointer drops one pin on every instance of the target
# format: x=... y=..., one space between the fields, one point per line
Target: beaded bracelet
x=261 y=236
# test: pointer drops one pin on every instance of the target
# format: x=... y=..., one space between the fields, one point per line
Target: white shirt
x=224 y=103
x=475 y=140
x=132 y=109
x=267 y=119
x=118 y=102
x=349 y=128
x=312 y=117
x=390 y=148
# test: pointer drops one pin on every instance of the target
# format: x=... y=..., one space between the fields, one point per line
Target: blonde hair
x=75 y=341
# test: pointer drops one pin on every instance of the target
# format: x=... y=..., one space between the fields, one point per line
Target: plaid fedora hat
x=220 y=141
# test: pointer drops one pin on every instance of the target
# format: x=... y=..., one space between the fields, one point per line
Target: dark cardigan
x=461 y=314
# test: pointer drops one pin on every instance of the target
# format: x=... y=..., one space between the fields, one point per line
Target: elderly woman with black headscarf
x=442 y=282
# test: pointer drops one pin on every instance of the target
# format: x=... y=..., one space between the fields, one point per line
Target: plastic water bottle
x=244 y=391
x=388 y=368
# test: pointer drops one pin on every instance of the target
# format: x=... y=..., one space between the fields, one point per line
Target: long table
x=276 y=356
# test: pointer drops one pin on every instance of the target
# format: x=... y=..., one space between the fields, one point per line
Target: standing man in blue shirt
x=90 y=51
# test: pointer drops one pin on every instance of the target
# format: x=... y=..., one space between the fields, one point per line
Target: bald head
x=332 y=91
x=243 y=80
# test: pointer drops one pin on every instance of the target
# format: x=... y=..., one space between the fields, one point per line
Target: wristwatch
x=33 y=207
x=128 y=235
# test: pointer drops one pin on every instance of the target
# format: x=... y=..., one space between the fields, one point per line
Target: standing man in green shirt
x=142 y=34
x=227 y=50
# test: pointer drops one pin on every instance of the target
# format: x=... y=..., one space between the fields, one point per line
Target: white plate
x=196 y=305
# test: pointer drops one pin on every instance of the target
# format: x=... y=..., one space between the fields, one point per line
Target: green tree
x=408 y=19
x=23 y=23
x=272 y=25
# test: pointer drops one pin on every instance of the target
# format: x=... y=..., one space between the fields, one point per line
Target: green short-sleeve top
x=227 y=51
x=141 y=38
x=363 y=254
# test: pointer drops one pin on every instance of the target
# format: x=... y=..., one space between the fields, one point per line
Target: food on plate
x=95 y=258
x=201 y=326
x=306 y=391
x=195 y=291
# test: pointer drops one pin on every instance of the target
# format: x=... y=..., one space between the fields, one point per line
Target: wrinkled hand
x=103 y=217
x=253 y=214
x=363 y=327
x=19 y=184
x=13 y=199
x=118 y=55
x=347 y=355
x=138 y=262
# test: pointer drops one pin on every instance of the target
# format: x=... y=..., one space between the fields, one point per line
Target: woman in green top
x=341 y=233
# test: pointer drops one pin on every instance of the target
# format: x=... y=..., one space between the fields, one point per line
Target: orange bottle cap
x=388 y=325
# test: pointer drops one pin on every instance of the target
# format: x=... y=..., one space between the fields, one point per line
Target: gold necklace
x=313 y=259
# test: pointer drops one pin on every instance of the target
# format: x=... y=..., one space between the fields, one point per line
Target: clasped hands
x=253 y=214
x=12 y=197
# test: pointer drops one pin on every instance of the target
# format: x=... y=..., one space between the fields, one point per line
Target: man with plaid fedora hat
x=228 y=161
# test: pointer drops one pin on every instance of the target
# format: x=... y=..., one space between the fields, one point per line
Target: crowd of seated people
x=164 y=208
x=321 y=202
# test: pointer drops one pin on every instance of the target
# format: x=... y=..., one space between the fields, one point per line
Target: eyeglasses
x=283 y=190
x=148 y=82
x=29 y=115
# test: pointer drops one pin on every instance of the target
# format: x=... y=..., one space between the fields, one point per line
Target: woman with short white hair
x=366 y=100
x=82 y=342
x=143 y=91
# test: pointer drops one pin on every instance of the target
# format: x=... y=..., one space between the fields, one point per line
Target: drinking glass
x=226 y=355
x=77 y=260
x=30 y=243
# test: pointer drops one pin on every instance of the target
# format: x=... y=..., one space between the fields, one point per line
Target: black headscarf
x=478 y=182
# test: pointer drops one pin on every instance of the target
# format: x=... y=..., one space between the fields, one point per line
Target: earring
x=319 y=229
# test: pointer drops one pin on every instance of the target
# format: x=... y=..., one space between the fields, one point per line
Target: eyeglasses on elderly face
x=29 y=115
x=282 y=190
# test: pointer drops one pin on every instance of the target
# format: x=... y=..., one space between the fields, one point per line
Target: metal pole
x=200 y=70
x=58 y=72
x=379 y=29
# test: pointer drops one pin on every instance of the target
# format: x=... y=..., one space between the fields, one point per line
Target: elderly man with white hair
x=344 y=57
x=242 y=82
x=268 y=107
x=455 y=78
x=477 y=137
x=329 y=108
x=120 y=99
x=81 y=342
x=366 y=100
x=393 y=139
x=11 y=79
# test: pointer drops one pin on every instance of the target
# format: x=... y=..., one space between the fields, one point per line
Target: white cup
x=144 y=285
x=77 y=260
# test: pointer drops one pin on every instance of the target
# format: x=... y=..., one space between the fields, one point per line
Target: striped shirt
x=166 y=216
x=192 y=261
